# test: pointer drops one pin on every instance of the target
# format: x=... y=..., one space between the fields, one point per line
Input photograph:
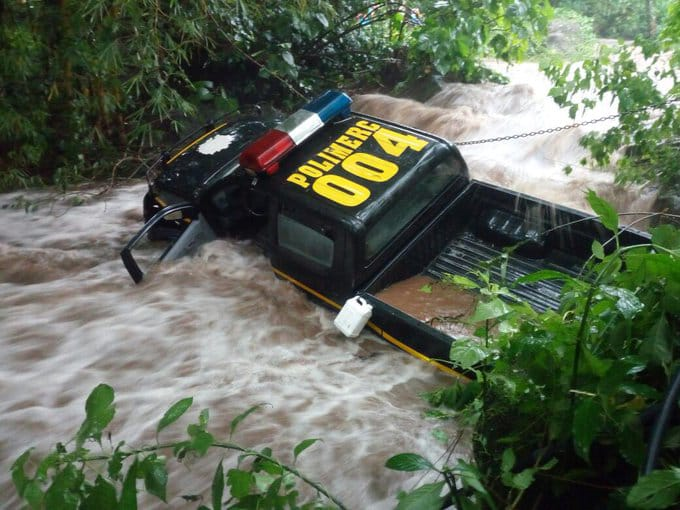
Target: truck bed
x=488 y=230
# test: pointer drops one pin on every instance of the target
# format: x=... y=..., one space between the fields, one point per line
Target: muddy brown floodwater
x=221 y=328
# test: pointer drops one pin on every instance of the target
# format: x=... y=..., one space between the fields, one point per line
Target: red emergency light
x=265 y=153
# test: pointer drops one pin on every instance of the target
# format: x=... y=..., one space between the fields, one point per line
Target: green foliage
x=562 y=402
x=90 y=86
x=572 y=38
x=659 y=489
x=111 y=477
x=625 y=19
x=456 y=36
x=646 y=138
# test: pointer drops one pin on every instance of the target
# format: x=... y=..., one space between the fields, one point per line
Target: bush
x=92 y=85
x=564 y=402
x=77 y=478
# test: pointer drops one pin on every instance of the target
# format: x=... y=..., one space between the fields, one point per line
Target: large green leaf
x=493 y=309
x=99 y=411
x=659 y=489
x=155 y=475
x=597 y=249
x=200 y=439
x=65 y=491
x=240 y=482
x=18 y=474
x=302 y=446
x=608 y=215
x=666 y=236
x=174 y=413
x=467 y=354
x=128 y=496
x=626 y=301
x=408 y=462
x=471 y=477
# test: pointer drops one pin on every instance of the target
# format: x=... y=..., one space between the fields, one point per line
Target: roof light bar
x=265 y=153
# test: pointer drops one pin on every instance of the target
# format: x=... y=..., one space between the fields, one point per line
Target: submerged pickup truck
x=358 y=210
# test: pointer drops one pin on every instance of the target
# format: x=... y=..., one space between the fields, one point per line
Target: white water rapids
x=221 y=328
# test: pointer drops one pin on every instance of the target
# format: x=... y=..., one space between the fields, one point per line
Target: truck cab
x=342 y=207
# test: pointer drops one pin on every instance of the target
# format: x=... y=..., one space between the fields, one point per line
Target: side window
x=305 y=241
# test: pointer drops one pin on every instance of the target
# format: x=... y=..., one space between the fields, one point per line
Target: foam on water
x=220 y=327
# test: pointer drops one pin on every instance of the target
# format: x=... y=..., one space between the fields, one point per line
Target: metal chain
x=568 y=126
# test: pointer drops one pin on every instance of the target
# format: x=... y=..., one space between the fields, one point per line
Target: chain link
x=568 y=126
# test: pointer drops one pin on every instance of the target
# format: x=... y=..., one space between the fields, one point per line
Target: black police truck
x=348 y=206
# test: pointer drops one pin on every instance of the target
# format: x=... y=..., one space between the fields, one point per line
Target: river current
x=221 y=328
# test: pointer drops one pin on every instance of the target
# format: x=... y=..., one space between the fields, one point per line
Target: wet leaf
x=240 y=482
x=264 y=480
x=287 y=57
x=632 y=442
x=521 y=480
x=201 y=441
x=490 y=310
x=203 y=417
x=34 y=495
x=471 y=477
x=128 y=496
x=507 y=460
x=543 y=274
x=18 y=475
x=155 y=476
x=99 y=411
x=218 y=487
x=608 y=215
x=658 y=346
x=427 y=289
x=666 y=236
x=174 y=413
x=102 y=496
x=466 y=354
x=235 y=422
x=302 y=446
x=586 y=426
x=116 y=462
x=64 y=492
x=659 y=489
x=408 y=462
x=425 y=497
x=626 y=301
x=597 y=249
x=321 y=18
x=461 y=281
